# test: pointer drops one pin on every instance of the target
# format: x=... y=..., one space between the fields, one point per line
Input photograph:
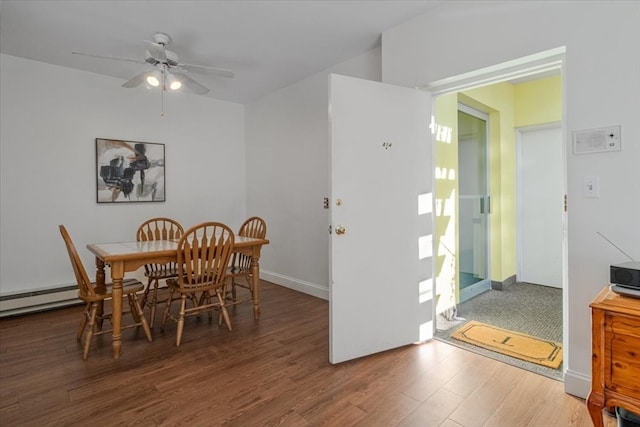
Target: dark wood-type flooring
x=273 y=371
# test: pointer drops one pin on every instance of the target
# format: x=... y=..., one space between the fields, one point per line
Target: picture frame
x=129 y=171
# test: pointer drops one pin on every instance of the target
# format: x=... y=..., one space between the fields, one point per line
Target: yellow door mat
x=514 y=344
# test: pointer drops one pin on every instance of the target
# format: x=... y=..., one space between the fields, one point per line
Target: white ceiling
x=268 y=44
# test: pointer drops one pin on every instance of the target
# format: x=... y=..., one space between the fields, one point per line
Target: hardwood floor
x=273 y=371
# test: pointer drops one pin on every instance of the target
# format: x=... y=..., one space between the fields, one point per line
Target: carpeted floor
x=530 y=309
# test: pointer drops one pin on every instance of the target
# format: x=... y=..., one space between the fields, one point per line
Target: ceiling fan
x=167 y=71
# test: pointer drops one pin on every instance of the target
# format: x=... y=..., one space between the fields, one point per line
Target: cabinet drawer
x=621 y=324
x=622 y=354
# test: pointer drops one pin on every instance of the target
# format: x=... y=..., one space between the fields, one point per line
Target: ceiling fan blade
x=156 y=50
x=136 y=80
x=223 y=72
x=189 y=84
x=108 y=57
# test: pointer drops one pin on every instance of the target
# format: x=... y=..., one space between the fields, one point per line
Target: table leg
x=255 y=279
x=101 y=289
x=595 y=404
x=117 y=274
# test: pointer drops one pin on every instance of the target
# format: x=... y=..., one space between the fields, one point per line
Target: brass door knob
x=340 y=229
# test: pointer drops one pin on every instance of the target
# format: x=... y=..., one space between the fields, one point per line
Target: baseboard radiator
x=34 y=301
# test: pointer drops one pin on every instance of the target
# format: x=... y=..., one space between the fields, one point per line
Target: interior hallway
x=522 y=307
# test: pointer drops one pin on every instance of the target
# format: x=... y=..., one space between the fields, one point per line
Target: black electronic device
x=626 y=274
x=625 y=279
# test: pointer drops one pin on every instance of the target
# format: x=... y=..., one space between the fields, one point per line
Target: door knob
x=340 y=229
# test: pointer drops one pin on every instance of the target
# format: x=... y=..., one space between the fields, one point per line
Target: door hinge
x=566 y=203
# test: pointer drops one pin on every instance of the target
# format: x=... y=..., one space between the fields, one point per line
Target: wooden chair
x=203 y=255
x=95 y=301
x=157 y=229
x=240 y=263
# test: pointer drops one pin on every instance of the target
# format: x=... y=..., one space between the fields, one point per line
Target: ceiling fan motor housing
x=162 y=38
x=172 y=58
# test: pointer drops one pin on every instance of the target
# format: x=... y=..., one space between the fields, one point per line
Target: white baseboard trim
x=13 y=304
x=308 y=288
x=577 y=384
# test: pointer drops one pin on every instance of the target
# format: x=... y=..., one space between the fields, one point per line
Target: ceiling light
x=174 y=81
x=153 y=80
x=175 y=85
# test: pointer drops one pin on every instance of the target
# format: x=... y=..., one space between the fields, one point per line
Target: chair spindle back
x=203 y=255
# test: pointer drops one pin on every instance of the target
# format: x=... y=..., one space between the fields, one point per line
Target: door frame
x=539 y=64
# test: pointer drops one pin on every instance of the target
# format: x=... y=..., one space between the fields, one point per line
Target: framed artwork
x=129 y=171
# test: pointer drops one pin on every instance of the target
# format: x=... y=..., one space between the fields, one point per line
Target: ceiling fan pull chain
x=162 y=89
x=161 y=103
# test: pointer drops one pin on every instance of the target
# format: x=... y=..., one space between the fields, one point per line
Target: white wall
x=287 y=175
x=50 y=117
x=602 y=79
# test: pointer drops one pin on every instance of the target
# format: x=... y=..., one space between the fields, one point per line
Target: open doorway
x=510 y=104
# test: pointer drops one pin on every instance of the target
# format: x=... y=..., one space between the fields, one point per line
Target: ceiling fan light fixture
x=174 y=83
x=153 y=80
x=167 y=73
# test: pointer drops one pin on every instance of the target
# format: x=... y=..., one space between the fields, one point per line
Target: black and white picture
x=129 y=171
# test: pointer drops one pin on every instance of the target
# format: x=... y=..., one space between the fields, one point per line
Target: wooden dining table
x=129 y=256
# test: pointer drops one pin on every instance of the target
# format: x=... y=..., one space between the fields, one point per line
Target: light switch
x=590 y=186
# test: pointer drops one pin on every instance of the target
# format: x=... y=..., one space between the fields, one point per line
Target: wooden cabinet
x=615 y=360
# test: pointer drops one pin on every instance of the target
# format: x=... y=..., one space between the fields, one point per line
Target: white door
x=541 y=199
x=381 y=217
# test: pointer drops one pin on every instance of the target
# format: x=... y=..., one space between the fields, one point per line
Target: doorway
x=427 y=267
x=473 y=202
x=542 y=315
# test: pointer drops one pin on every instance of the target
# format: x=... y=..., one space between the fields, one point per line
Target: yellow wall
x=509 y=106
x=538 y=101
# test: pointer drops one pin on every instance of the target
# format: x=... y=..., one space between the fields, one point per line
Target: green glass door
x=473 y=203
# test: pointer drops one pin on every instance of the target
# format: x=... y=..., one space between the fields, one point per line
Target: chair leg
x=249 y=278
x=140 y=315
x=132 y=309
x=165 y=315
x=196 y=303
x=220 y=317
x=207 y=301
x=89 y=335
x=145 y=295
x=223 y=308
x=224 y=291
x=100 y=316
x=83 y=321
x=154 y=304
x=183 y=305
